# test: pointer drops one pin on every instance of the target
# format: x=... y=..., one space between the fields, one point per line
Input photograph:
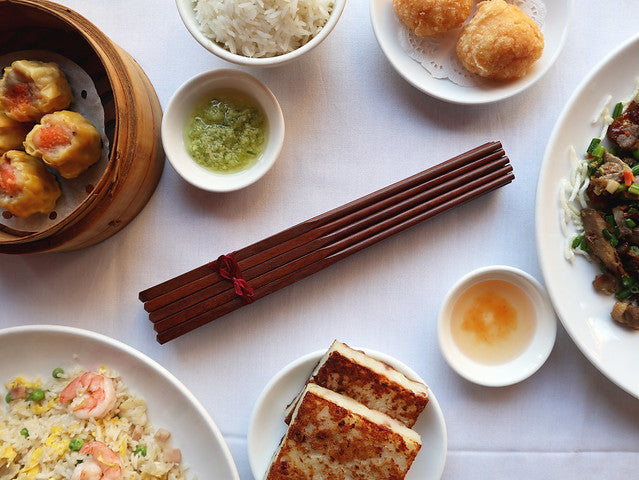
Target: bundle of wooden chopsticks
x=199 y=296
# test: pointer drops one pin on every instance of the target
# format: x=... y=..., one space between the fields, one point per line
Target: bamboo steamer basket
x=133 y=117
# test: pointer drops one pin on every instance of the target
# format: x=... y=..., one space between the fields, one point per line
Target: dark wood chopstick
x=191 y=294
x=174 y=326
x=330 y=247
x=253 y=254
x=207 y=281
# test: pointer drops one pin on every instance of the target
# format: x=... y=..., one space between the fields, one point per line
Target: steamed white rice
x=261 y=28
x=45 y=454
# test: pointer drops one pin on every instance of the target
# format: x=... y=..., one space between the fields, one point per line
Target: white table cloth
x=353 y=126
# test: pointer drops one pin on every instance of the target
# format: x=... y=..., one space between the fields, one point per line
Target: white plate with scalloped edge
x=584 y=313
x=267 y=427
x=387 y=28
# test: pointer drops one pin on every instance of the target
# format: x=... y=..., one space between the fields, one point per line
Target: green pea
x=24 y=432
x=57 y=372
x=8 y=398
x=140 y=450
x=36 y=395
x=76 y=444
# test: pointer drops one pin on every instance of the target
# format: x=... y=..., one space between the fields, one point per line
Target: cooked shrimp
x=90 y=395
x=104 y=463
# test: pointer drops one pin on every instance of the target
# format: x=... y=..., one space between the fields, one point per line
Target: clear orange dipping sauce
x=493 y=322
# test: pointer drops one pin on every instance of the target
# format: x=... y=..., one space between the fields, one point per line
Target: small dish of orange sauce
x=496 y=326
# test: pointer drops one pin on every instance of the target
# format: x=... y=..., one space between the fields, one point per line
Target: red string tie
x=228 y=268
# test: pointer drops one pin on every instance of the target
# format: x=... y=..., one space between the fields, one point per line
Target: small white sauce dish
x=189 y=96
x=185 y=9
x=522 y=364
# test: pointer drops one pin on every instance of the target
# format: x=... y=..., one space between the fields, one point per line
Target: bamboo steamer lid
x=133 y=116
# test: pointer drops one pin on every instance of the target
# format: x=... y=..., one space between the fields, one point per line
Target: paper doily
x=438 y=56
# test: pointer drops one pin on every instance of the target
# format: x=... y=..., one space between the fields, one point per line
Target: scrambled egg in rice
x=72 y=426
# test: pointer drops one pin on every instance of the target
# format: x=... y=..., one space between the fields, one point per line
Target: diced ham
x=18 y=393
x=162 y=435
x=173 y=455
x=138 y=430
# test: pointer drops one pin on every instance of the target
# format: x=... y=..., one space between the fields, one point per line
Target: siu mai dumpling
x=12 y=133
x=66 y=141
x=26 y=186
x=30 y=89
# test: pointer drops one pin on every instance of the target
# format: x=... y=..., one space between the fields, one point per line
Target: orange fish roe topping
x=50 y=137
x=8 y=183
x=19 y=96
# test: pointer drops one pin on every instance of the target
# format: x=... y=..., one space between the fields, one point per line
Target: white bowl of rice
x=260 y=32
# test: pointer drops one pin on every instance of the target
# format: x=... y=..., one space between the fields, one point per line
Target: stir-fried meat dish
x=611 y=223
x=624 y=130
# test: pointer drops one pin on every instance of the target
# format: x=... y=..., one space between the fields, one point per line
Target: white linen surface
x=353 y=126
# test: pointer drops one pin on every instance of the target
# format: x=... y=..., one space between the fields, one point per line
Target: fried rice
x=39 y=437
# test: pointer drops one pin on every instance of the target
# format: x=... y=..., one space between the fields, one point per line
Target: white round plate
x=267 y=427
x=584 y=313
x=34 y=351
x=387 y=28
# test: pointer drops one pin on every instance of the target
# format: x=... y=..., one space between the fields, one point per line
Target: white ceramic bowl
x=34 y=351
x=185 y=8
x=190 y=95
x=528 y=361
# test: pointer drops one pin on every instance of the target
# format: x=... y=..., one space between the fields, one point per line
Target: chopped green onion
x=598 y=151
x=580 y=242
x=633 y=189
x=623 y=294
x=617 y=110
x=611 y=221
x=140 y=450
x=24 y=432
x=614 y=241
x=628 y=282
x=76 y=444
x=630 y=223
x=634 y=249
x=594 y=165
x=635 y=153
x=8 y=398
x=635 y=169
x=577 y=241
x=593 y=144
x=36 y=395
x=583 y=245
x=57 y=372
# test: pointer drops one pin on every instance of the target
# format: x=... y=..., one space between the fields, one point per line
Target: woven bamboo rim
x=132 y=115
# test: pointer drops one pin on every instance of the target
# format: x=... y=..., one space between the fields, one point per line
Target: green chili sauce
x=226 y=133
